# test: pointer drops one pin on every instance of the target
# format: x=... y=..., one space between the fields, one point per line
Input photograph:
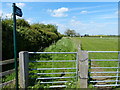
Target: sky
x=60 y=0
x=93 y=18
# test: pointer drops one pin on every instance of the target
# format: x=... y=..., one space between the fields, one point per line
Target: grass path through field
x=100 y=44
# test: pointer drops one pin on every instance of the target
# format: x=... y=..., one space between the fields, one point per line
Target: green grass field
x=68 y=44
x=101 y=44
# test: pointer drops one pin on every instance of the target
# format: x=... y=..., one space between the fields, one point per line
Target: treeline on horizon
x=30 y=37
x=87 y=35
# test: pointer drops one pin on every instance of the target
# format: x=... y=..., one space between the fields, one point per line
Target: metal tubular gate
x=96 y=80
x=60 y=83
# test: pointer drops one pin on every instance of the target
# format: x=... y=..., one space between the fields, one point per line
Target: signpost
x=16 y=11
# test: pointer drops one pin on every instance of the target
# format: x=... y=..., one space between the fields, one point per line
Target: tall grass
x=63 y=45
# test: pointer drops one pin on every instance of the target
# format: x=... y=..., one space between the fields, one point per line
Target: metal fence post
x=23 y=64
x=83 y=68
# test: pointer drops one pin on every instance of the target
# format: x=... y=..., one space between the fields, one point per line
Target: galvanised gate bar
x=51 y=75
x=99 y=74
x=106 y=75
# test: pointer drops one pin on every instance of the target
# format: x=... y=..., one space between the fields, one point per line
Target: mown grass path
x=101 y=44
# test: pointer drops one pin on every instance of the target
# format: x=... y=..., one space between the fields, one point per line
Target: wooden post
x=23 y=64
x=79 y=50
x=83 y=68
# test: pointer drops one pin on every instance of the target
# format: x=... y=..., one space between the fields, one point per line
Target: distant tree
x=86 y=35
x=77 y=35
x=69 y=32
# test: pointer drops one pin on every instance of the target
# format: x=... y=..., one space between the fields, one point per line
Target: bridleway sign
x=18 y=11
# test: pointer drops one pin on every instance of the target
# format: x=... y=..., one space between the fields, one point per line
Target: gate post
x=83 y=68
x=23 y=65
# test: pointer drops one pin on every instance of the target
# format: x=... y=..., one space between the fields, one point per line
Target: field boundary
x=8 y=72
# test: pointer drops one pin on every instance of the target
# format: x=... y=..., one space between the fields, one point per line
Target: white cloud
x=60 y=0
x=109 y=17
x=21 y=5
x=90 y=7
x=92 y=27
x=0 y=12
x=74 y=17
x=62 y=28
x=60 y=12
x=29 y=20
x=74 y=22
x=83 y=12
x=98 y=11
x=9 y=4
x=7 y=15
x=116 y=12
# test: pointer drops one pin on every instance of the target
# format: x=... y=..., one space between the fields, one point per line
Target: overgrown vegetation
x=30 y=37
x=63 y=45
